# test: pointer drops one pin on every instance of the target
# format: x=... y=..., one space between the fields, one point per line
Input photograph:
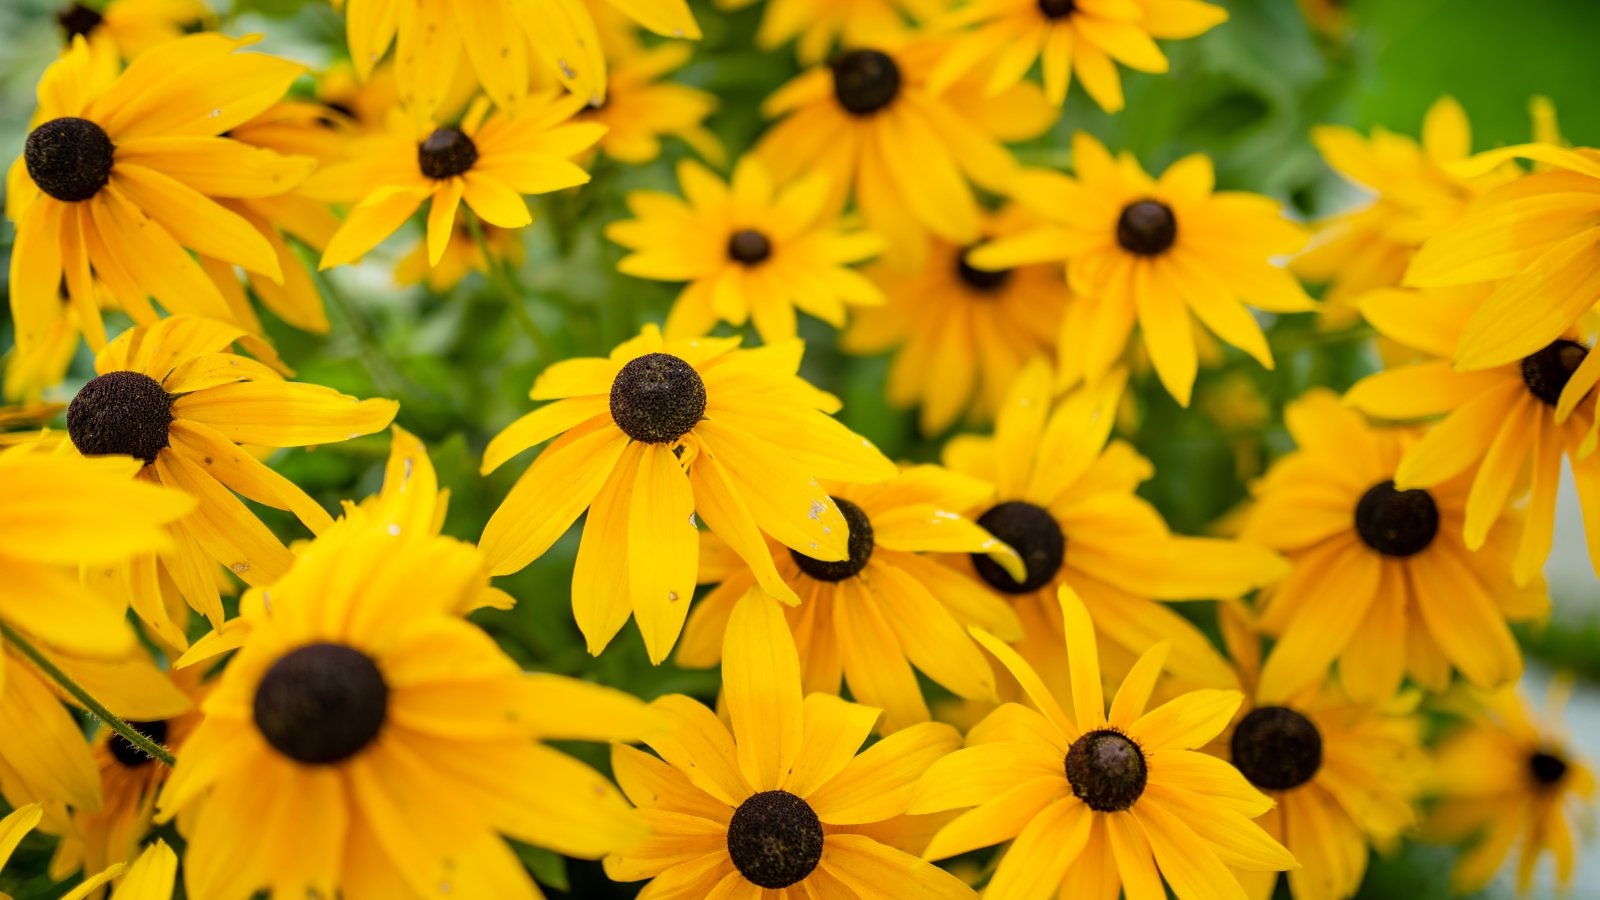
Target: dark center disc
x=657 y=398
x=78 y=20
x=1547 y=769
x=1057 y=9
x=861 y=545
x=69 y=158
x=1147 y=228
x=981 y=281
x=749 y=247
x=1106 y=770
x=1276 y=748
x=865 y=81
x=120 y=414
x=1547 y=372
x=446 y=153
x=775 y=839
x=321 y=703
x=1397 y=523
x=1034 y=534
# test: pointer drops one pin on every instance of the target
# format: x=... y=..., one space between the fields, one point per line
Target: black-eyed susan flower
x=1083 y=37
x=817 y=26
x=1065 y=501
x=121 y=174
x=960 y=335
x=640 y=107
x=781 y=804
x=1384 y=581
x=872 y=618
x=177 y=399
x=1160 y=252
x=489 y=162
x=1505 y=426
x=870 y=124
x=1091 y=799
x=751 y=250
x=368 y=740
x=656 y=436
x=151 y=876
x=126 y=28
x=1510 y=783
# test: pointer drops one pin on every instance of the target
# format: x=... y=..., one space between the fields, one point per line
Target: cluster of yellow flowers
x=365 y=739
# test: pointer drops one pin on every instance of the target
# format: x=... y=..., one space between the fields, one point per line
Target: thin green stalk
x=509 y=290
x=385 y=374
x=98 y=710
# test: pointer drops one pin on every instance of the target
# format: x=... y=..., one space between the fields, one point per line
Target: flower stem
x=508 y=289
x=386 y=376
x=95 y=707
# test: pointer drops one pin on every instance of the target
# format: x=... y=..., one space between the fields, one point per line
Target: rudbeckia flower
x=121 y=175
x=782 y=804
x=656 y=435
x=1092 y=799
x=1510 y=783
x=869 y=123
x=126 y=28
x=1509 y=425
x=1384 y=580
x=960 y=335
x=488 y=162
x=175 y=398
x=750 y=250
x=870 y=619
x=366 y=741
x=1065 y=501
x=821 y=24
x=1162 y=252
x=152 y=875
x=1088 y=37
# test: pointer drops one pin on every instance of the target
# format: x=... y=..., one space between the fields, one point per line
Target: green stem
x=98 y=710
x=385 y=374
x=508 y=288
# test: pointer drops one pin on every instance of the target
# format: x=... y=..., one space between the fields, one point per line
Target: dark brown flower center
x=1057 y=9
x=982 y=281
x=1034 y=534
x=1547 y=372
x=69 y=158
x=1276 y=748
x=1147 y=228
x=78 y=20
x=865 y=81
x=657 y=398
x=1547 y=769
x=321 y=703
x=446 y=153
x=1106 y=770
x=749 y=247
x=120 y=414
x=1397 y=523
x=861 y=545
x=123 y=750
x=775 y=839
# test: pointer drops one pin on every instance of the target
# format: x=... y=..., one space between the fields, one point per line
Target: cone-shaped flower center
x=123 y=751
x=860 y=547
x=748 y=246
x=446 y=153
x=1547 y=372
x=1147 y=228
x=865 y=81
x=1037 y=538
x=980 y=280
x=321 y=703
x=69 y=158
x=120 y=413
x=1276 y=748
x=78 y=19
x=1397 y=523
x=1057 y=9
x=1547 y=768
x=1106 y=770
x=657 y=398
x=775 y=839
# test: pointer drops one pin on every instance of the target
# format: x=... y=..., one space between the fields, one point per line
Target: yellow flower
x=783 y=805
x=639 y=108
x=1088 y=37
x=367 y=739
x=1091 y=799
x=127 y=28
x=821 y=24
x=461 y=255
x=1163 y=251
x=960 y=334
x=1064 y=500
x=1509 y=423
x=151 y=876
x=654 y=436
x=488 y=162
x=1384 y=580
x=174 y=398
x=750 y=250
x=121 y=173
x=32 y=370
x=873 y=617
x=1509 y=778
x=869 y=123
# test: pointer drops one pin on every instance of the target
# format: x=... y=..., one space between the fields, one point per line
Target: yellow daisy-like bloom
x=488 y=162
x=821 y=24
x=960 y=334
x=121 y=173
x=1064 y=500
x=781 y=806
x=750 y=250
x=1384 y=580
x=367 y=739
x=652 y=437
x=127 y=28
x=175 y=398
x=1511 y=423
x=461 y=255
x=1091 y=800
x=1510 y=783
x=870 y=618
x=1160 y=251
x=501 y=40
x=150 y=877
x=1088 y=37
x=869 y=122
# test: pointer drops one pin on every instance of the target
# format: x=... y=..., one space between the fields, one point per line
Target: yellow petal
x=761 y=687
